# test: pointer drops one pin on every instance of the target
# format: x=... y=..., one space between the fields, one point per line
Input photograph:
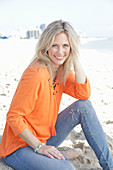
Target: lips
x=59 y=58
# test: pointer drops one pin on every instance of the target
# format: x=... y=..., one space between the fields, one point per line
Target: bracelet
x=39 y=146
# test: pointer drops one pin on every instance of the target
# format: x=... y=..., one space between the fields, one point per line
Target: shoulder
x=35 y=73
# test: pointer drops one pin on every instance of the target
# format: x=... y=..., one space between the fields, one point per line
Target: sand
x=99 y=70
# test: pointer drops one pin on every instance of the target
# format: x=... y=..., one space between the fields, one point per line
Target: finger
x=51 y=152
x=50 y=156
x=56 y=154
x=59 y=153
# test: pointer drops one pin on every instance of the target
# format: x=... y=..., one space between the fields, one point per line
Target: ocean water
x=100 y=44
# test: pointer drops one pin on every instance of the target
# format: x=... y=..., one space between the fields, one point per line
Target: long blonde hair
x=45 y=42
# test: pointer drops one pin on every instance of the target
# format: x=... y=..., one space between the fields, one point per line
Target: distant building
x=33 y=33
x=42 y=27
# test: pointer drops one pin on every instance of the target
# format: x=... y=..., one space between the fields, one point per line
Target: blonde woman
x=34 y=129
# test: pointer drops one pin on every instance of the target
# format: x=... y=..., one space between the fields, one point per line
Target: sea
x=104 y=44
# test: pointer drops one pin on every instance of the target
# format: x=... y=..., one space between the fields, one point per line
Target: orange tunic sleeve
x=76 y=90
x=24 y=100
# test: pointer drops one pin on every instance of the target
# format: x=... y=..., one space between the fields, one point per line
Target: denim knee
x=83 y=104
x=84 y=107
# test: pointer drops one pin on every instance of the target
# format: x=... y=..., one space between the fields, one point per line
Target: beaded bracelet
x=39 y=146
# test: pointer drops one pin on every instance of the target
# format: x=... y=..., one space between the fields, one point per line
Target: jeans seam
x=64 y=119
x=75 y=111
x=94 y=140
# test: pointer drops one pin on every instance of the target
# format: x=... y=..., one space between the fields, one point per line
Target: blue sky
x=91 y=17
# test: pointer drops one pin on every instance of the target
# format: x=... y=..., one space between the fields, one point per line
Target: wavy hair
x=45 y=42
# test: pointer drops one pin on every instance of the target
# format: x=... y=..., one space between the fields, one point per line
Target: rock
x=4 y=166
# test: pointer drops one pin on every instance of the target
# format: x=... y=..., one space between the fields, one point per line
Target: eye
x=54 y=45
x=66 y=45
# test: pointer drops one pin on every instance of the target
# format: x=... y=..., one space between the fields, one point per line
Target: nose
x=60 y=51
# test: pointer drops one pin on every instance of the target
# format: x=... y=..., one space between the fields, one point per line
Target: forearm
x=49 y=151
x=80 y=75
x=29 y=138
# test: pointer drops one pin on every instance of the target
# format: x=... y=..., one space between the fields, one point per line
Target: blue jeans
x=80 y=112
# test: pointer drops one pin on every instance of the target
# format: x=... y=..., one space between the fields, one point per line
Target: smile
x=59 y=58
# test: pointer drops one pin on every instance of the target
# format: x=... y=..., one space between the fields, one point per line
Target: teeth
x=59 y=57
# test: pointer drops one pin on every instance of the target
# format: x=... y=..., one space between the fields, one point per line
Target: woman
x=34 y=129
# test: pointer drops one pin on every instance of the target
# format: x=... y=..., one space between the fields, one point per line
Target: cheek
x=51 y=52
x=67 y=52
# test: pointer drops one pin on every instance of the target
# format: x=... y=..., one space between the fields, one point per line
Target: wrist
x=38 y=146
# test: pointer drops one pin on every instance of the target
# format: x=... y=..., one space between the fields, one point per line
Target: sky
x=89 y=17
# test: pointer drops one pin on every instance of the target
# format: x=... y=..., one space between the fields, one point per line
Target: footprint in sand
x=109 y=122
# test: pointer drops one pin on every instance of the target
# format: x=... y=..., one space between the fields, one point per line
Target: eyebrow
x=63 y=43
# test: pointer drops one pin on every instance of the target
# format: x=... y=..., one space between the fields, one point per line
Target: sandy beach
x=14 y=58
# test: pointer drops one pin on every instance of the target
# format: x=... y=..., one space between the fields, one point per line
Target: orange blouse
x=35 y=106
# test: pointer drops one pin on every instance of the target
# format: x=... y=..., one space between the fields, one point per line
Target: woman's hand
x=50 y=151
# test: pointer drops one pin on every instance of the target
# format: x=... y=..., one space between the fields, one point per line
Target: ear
x=45 y=51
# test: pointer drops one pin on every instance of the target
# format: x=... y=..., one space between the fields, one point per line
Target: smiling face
x=60 y=49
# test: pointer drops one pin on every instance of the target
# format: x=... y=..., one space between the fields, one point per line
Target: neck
x=54 y=75
x=54 y=71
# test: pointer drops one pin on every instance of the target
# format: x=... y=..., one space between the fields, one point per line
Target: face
x=60 y=49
